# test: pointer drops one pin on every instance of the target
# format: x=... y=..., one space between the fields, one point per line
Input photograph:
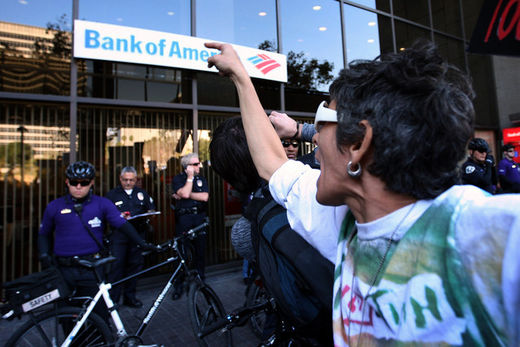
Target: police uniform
x=72 y=239
x=478 y=174
x=129 y=257
x=191 y=213
x=509 y=174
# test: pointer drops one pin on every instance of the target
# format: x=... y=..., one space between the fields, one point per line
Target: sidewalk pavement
x=171 y=324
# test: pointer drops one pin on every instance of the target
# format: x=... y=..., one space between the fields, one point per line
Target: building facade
x=55 y=109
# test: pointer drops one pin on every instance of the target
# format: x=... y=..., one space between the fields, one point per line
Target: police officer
x=131 y=201
x=191 y=193
x=479 y=168
x=72 y=227
x=509 y=171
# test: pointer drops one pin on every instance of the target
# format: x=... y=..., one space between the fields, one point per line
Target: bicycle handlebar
x=190 y=234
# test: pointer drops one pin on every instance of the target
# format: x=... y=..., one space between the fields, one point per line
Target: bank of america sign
x=133 y=45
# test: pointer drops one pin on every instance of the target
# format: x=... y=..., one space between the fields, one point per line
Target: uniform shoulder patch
x=470 y=169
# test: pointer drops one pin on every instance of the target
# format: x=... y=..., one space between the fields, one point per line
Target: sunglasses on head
x=82 y=183
x=287 y=143
x=324 y=114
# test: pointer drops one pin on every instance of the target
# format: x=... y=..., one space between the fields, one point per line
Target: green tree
x=302 y=72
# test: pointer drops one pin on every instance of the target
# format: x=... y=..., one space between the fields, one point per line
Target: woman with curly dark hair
x=419 y=259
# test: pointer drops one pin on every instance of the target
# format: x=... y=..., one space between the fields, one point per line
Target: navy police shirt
x=136 y=203
x=200 y=185
x=70 y=236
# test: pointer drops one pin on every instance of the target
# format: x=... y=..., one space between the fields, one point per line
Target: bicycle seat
x=95 y=263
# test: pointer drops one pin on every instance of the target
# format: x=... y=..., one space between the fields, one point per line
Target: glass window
x=314 y=50
x=416 y=10
x=166 y=16
x=367 y=34
x=133 y=82
x=37 y=13
x=471 y=10
x=452 y=50
x=446 y=16
x=246 y=23
x=268 y=92
x=213 y=89
x=406 y=34
x=485 y=102
x=35 y=45
x=382 y=5
x=130 y=89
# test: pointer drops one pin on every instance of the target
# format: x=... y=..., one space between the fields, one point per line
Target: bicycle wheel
x=52 y=327
x=255 y=295
x=205 y=308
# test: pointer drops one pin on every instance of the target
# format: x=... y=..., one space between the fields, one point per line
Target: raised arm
x=262 y=140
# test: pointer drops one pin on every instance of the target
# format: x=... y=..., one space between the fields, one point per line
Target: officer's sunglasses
x=194 y=164
x=82 y=183
x=287 y=143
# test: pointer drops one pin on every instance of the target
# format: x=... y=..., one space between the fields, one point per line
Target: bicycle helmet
x=80 y=170
x=478 y=144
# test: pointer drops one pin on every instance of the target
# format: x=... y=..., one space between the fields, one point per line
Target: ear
x=359 y=150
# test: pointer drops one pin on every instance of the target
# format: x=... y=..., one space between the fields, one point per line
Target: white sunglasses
x=325 y=114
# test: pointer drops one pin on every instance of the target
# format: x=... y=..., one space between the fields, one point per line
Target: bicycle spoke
x=209 y=316
x=52 y=327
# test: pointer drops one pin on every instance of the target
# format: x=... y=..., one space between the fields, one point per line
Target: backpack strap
x=314 y=272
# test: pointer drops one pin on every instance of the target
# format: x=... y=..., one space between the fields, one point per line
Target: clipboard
x=144 y=215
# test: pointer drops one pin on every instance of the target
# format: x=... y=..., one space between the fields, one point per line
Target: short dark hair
x=230 y=157
x=507 y=147
x=421 y=111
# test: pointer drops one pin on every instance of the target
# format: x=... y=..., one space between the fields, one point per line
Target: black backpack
x=294 y=273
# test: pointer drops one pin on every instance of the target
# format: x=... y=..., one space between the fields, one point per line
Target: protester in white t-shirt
x=419 y=259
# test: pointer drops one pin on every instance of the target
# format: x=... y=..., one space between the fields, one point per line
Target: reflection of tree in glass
x=302 y=72
x=61 y=42
x=11 y=154
x=204 y=149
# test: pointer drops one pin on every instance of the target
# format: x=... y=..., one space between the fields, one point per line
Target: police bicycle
x=67 y=325
x=258 y=305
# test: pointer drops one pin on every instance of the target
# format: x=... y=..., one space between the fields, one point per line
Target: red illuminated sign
x=511 y=135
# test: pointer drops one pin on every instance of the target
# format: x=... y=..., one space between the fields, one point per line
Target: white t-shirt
x=293 y=186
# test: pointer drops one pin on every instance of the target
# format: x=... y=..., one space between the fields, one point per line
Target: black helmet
x=478 y=144
x=80 y=170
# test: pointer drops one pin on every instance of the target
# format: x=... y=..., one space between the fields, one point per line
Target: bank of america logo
x=263 y=63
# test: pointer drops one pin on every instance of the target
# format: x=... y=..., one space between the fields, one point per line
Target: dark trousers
x=183 y=224
x=84 y=282
x=129 y=261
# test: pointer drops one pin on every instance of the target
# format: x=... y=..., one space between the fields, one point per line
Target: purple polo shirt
x=510 y=170
x=70 y=236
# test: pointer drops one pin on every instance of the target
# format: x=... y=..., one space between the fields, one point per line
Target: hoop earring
x=351 y=173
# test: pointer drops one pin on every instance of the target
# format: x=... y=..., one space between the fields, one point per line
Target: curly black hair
x=230 y=156
x=421 y=111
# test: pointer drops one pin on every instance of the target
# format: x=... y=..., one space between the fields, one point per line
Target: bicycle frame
x=112 y=308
